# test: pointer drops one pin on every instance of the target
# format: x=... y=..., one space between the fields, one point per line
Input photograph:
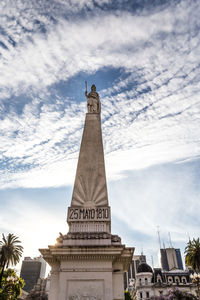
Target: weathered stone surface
x=88 y=262
x=105 y=264
x=90 y=189
x=89 y=210
x=87 y=289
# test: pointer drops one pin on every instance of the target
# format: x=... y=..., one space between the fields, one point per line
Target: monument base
x=87 y=272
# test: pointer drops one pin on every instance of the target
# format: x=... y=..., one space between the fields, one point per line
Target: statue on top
x=93 y=101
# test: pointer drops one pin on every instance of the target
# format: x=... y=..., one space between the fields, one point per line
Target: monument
x=88 y=262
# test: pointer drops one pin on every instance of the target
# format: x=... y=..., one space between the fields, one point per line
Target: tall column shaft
x=89 y=210
x=90 y=189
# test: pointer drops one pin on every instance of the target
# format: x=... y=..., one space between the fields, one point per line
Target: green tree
x=11 y=285
x=192 y=251
x=128 y=296
x=10 y=252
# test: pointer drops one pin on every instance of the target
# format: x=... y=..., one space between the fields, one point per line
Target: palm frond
x=10 y=250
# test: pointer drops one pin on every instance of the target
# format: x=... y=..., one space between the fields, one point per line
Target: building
x=40 y=290
x=156 y=282
x=146 y=282
x=89 y=262
x=43 y=266
x=31 y=270
x=170 y=258
x=130 y=275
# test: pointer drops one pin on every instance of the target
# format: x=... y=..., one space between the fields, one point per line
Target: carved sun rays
x=90 y=188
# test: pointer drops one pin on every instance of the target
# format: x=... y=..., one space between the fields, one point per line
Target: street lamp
x=196 y=279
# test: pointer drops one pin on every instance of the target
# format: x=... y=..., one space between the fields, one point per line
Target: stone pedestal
x=87 y=273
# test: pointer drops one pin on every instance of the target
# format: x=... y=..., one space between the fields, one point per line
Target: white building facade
x=149 y=283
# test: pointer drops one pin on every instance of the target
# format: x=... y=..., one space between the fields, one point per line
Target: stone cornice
x=114 y=253
x=86 y=270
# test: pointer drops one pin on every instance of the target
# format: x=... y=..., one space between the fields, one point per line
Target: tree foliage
x=10 y=252
x=11 y=285
x=176 y=294
x=128 y=296
x=192 y=251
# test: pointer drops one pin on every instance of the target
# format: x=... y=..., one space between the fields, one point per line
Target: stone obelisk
x=88 y=262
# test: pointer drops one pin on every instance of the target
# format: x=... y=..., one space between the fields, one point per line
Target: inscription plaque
x=85 y=290
x=88 y=214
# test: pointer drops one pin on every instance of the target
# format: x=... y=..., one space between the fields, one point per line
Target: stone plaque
x=85 y=290
x=99 y=213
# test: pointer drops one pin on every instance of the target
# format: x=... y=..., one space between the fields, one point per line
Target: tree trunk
x=1 y=274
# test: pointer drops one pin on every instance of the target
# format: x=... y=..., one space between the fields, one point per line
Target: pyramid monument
x=88 y=262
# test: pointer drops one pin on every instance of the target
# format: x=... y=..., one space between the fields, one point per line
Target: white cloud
x=88 y=44
x=165 y=195
x=150 y=114
x=153 y=121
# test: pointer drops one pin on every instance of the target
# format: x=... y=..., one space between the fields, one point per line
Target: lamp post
x=196 y=279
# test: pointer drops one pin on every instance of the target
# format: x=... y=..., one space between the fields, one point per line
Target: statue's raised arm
x=93 y=101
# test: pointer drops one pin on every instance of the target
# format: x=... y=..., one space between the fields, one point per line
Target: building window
x=160 y=292
x=183 y=280
x=140 y=281
x=170 y=280
x=147 y=295
x=146 y=281
x=177 y=280
x=140 y=295
x=159 y=280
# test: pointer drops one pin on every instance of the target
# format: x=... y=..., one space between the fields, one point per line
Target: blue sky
x=144 y=57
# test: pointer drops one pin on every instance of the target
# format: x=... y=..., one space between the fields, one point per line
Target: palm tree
x=10 y=252
x=192 y=251
x=192 y=259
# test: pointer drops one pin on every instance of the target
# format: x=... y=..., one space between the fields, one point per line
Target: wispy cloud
x=150 y=114
x=144 y=57
x=164 y=196
x=89 y=44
